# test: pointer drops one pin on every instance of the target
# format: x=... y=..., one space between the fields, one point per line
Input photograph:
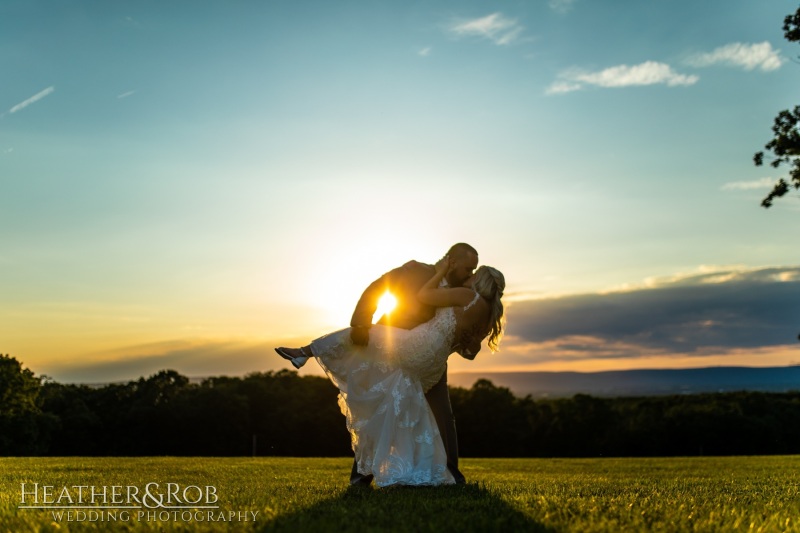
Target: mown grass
x=581 y=495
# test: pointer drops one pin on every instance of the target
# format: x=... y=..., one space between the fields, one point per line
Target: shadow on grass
x=470 y=507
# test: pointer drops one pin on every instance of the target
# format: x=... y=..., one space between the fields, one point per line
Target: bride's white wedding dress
x=382 y=393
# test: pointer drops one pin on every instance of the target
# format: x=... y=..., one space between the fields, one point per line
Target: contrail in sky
x=35 y=98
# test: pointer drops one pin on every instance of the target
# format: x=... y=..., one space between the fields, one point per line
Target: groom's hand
x=359 y=335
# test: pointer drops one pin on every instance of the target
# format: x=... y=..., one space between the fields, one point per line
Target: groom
x=404 y=283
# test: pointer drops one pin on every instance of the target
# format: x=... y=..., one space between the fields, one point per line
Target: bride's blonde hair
x=490 y=284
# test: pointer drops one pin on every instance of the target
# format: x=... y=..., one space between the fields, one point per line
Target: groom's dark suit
x=404 y=283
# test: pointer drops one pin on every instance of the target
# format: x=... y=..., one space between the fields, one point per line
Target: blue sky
x=186 y=184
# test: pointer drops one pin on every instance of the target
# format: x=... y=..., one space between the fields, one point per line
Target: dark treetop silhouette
x=785 y=145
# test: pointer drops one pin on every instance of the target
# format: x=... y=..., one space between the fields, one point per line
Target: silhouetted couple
x=392 y=376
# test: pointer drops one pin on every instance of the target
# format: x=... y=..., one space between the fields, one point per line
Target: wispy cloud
x=125 y=94
x=497 y=28
x=747 y=56
x=647 y=73
x=763 y=183
x=425 y=52
x=33 y=99
x=561 y=6
x=559 y=87
x=190 y=357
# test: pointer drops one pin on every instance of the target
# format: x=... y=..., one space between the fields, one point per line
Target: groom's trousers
x=439 y=400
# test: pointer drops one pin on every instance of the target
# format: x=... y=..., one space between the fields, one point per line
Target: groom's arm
x=361 y=320
x=412 y=272
x=365 y=309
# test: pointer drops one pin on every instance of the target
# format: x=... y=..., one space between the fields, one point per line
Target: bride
x=382 y=386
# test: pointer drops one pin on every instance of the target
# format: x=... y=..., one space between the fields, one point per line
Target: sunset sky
x=186 y=184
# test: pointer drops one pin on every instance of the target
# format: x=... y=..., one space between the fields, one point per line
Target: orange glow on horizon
x=520 y=358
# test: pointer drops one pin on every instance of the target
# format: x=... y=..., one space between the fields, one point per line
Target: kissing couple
x=392 y=376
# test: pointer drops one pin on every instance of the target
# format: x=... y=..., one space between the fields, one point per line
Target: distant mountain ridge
x=638 y=382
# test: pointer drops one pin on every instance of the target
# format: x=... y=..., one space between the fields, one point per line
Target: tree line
x=284 y=414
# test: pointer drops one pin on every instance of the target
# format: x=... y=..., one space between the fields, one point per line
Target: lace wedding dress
x=382 y=393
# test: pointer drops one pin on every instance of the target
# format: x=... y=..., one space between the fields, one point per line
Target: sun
x=332 y=293
x=386 y=304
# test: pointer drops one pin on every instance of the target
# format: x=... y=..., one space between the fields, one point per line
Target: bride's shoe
x=300 y=361
x=297 y=361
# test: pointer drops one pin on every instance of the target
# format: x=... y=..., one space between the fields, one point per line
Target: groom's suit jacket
x=404 y=283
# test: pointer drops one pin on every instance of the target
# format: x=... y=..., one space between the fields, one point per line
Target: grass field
x=288 y=494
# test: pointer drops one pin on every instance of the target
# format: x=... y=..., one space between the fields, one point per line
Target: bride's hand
x=443 y=265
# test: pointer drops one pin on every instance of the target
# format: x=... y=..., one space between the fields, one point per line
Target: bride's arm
x=431 y=294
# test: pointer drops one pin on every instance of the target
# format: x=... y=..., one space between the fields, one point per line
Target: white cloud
x=495 y=27
x=747 y=56
x=647 y=73
x=763 y=183
x=560 y=87
x=125 y=94
x=425 y=52
x=35 y=98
